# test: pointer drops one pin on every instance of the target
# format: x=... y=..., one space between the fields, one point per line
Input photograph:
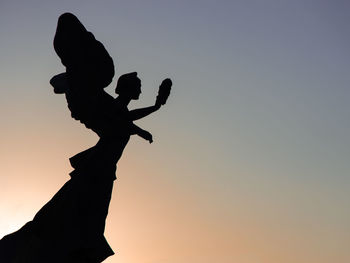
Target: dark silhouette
x=70 y=227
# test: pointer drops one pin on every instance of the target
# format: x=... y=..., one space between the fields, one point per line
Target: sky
x=250 y=160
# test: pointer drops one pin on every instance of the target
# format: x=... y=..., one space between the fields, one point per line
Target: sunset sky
x=251 y=155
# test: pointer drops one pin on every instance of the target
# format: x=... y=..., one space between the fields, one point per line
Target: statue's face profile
x=135 y=88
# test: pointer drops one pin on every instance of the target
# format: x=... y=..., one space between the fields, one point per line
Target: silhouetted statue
x=70 y=227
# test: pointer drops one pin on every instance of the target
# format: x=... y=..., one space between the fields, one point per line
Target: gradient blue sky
x=250 y=162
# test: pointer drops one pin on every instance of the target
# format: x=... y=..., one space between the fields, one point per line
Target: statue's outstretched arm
x=163 y=94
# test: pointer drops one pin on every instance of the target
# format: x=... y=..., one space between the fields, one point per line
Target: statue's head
x=129 y=85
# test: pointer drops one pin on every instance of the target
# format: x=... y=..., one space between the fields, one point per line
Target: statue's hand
x=146 y=135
